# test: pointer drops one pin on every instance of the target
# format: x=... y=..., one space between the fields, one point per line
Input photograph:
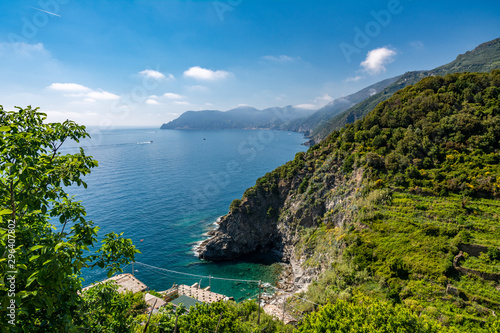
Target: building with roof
x=125 y=282
x=204 y=295
x=187 y=301
x=154 y=303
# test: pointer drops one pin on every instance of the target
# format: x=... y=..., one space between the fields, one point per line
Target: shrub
x=235 y=205
x=367 y=316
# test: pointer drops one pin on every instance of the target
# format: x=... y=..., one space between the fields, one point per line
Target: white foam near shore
x=196 y=246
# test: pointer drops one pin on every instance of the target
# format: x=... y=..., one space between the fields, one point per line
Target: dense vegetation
x=323 y=115
x=103 y=309
x=40 y=263
x=226 y=316
x=106 y=310
x=367 y=316
x=439 y=136
x=430 y=157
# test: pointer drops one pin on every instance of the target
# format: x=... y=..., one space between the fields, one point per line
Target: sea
x=165 y=189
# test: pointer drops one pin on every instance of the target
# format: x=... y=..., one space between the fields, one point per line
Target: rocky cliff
x=310 y=191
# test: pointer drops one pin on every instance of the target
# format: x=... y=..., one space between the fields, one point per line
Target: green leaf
x=31 y=279
x=4 y=128
x=59 y=245
x=5 y=211
x=34 y=257
x=36 y=247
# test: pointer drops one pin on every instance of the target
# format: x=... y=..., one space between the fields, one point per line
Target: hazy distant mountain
x=319 y=123
x=239 y=118
x=335 y=107
x=483 y=58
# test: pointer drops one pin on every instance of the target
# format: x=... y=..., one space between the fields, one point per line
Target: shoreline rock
x=271 y=215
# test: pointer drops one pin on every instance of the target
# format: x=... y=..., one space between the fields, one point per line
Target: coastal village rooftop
x=203 y=295
x=128 y=282
x=184 y=294
x=125 y=282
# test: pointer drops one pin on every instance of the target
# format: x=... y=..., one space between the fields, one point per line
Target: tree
x=47 y=260
x=367 y=316
x=104 y=309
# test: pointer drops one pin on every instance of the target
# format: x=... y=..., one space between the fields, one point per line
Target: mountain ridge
x=305 y=125
x=317 y=124
x=484 y=58
x=243 y=117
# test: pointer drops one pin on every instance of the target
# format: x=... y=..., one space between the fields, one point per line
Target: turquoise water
x=165 y=188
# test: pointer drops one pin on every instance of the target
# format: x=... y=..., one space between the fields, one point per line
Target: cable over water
x=196 y=275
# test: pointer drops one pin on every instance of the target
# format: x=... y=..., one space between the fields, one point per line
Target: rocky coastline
x=270 y=219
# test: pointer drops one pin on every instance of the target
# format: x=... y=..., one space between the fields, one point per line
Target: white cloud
x=155 y=75
x=325 y=98
x=307 y=106
x=199 y=73
x=377 y=59
x=317 y=103
x=68 y=87
x=282 y=59
x=173 y=96
x=182 y=103
x=152 y=102
x=24 y=50
x=103 y=96
x=55 y=115
x=354 y=79
x=80 y=91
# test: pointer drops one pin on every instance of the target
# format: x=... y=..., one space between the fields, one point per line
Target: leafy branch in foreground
x=48 y=259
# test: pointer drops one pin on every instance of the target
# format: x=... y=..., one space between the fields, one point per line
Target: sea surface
x=165 y=189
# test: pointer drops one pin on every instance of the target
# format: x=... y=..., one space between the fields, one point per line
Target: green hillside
x=430 y=160
x=483 y=58
x=384 y=207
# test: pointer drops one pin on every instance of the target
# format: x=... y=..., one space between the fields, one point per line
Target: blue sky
x=142 y=63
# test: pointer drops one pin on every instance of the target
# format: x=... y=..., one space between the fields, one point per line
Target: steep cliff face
x=251 y=226
x=305 y=193
x=246 y=229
